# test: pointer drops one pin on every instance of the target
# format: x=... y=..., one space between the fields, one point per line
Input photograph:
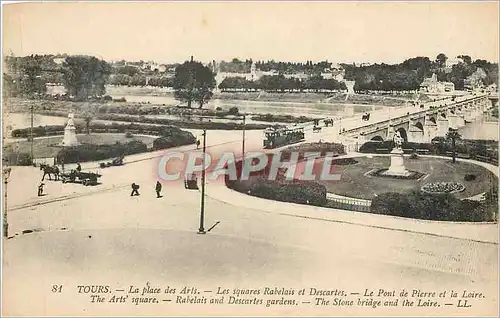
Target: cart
x=191 y=182
x=85 y=178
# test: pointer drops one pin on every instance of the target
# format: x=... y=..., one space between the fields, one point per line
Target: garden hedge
x=89 y=152
x=437 y=207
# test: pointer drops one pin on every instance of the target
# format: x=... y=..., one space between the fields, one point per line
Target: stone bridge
x=424 y=124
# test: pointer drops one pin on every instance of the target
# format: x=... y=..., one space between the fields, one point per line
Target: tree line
x=408 y=75
x=308 y=67
x=279 y=83
x=141 y=80
x=82 y=76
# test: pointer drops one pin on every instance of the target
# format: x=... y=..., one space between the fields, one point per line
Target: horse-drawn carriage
x=85 y=178
x=115 y=162
x=191 y=182
x=328 y=122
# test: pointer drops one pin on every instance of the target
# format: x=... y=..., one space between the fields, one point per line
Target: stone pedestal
x=443 y=127
x=453 y=121
x=430 y=131
x=397 y=167
x=415 y=134
x=460 y=119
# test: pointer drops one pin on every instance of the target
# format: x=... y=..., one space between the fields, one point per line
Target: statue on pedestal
x=397 y=167
x=398 y=140
x=69 y=139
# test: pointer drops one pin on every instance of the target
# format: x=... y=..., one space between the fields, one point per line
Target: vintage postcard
x=250 y=158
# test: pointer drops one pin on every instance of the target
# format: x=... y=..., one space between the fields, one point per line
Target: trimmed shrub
x=233 y=111
x=18 y=159
x=438 y=207
x=321 y=147
x=296 y=191
x=173 y=137
x=470 y=177
x=87 y=152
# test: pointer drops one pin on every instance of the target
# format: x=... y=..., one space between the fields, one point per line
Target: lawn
x=47 y=147
x=353 y=182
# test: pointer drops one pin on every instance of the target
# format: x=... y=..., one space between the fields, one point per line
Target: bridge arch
x=377 y=138
x=433 y=119
x=420 y=126
x=403 y=134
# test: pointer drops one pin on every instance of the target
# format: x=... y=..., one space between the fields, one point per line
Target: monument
x=397 y=167
x=69 y=139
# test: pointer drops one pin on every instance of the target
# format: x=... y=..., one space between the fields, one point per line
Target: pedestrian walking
x=198 y=144
x=135 y=187
x=78 y=167
x=40 y=189
x=62 y=165
x=158 y=189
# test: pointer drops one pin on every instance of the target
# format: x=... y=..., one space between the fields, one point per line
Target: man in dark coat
x=135 y=187
x=40 y=189
x=158 y=189
x=78 y=167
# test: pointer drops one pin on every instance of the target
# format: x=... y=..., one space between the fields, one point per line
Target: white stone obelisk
x=69 y=139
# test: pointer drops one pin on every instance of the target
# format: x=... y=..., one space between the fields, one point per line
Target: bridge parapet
x=445 y=111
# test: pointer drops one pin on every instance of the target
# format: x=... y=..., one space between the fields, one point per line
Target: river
x=480 y=129
x=164 y=96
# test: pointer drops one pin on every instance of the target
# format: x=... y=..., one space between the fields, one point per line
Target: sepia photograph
x=250 y=158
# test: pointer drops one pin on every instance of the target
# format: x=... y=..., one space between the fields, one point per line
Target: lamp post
x=243 y=144
x=201 y=230
x=31 y=135
x=6 y=175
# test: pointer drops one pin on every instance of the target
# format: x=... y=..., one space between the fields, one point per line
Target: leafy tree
x=193 y=82
x=441 y=60
x=85 y=76
x=138 y=80
x=466 y=58
x=453 y=135
x=127 y=70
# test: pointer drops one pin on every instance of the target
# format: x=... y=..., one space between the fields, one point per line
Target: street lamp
x=243 y=144
x=31 y=134
x=201 y=230
x=6 y=175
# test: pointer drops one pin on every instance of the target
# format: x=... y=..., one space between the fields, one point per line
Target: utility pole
x=243 y=144
x=6 y=175
x=201 y=230
x=191 y=82
x=31 y=135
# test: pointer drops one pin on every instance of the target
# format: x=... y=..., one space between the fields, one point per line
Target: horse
x=366 y=117
x=48 y=170
x=328 y=122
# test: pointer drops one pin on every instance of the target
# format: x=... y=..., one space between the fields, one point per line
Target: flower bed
x=443 y=187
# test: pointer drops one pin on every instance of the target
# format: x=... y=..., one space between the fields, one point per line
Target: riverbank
x=165 y=95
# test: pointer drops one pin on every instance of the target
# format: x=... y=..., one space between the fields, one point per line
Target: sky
x=165 y=32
